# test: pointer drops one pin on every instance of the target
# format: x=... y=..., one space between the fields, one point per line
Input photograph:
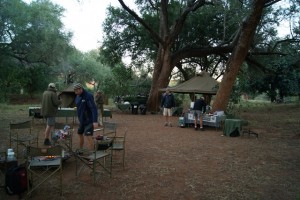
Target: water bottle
x=11 y=156
x=63 y=154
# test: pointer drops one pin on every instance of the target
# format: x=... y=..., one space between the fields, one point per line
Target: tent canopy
x=200 y=84
x=68 y=96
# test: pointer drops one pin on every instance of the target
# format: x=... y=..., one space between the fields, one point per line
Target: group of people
x=168 y=103
x=88 y=109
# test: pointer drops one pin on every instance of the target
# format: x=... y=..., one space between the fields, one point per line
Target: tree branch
x=142 y=22
x=191 y=7
x=286 y=40
x=270 y=2
x=189 y=52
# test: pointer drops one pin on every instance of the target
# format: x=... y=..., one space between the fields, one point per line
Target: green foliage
x=179 y=98
x=31 y=41
x=124 y=36
x=233 y=107
x=112 y=80
x=281 y=78
x=206 y=28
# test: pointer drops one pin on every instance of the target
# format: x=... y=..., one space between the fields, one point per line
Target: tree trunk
x=238 y=55
x=162 y=71
x=272 y=93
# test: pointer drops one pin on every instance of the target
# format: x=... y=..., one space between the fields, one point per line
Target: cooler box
x=181 y=122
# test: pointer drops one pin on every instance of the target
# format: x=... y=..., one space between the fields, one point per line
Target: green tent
x=200 y=84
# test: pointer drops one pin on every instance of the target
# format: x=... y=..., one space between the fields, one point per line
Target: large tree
x=226 y=29
x=32 y=41
x=244 y=38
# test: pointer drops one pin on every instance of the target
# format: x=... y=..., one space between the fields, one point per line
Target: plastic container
x=192 y=105
x=9 y=150
x=11 y=156
x=134 y=108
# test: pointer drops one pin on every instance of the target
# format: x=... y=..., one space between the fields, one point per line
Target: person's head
x=78 y=88
x=52 y=86
x=167 y=91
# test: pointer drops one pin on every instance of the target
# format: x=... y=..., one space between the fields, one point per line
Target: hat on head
x=77 y=86
x=51 y=85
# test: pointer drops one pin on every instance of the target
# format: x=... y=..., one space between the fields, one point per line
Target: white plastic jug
x=11 y=156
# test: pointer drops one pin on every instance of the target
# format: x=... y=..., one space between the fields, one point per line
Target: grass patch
x=12 y=108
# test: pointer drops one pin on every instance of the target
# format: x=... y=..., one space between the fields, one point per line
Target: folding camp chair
x=95 y=160
x=44 y=165
x=22 y=134
x=119 y=146
x=110 y=129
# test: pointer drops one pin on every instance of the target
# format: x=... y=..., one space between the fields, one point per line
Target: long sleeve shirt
x=86 y=108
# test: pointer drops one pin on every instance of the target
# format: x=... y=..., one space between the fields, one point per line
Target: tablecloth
x=231 y=124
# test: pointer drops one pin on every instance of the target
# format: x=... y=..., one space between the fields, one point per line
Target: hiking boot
x=47 y=142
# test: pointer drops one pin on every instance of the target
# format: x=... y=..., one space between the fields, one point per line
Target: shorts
x=167 y=112
x=50 y=121
x=87 y=130
x=198 y=113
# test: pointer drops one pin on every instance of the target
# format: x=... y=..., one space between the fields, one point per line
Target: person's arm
x=92 y=106
x=55 y=100
x=194 y=107
x=204 y=107
x=162 y=101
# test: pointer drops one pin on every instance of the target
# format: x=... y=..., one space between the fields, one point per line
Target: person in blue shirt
x=167 y=103
x=87 y=115
x=199 y=111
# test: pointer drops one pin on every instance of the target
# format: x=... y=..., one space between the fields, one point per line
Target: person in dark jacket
x=199 y=111
x=50 y=103
x=167 y=103
x=87 y=115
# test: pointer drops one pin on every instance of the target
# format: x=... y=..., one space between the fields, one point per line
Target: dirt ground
x=182 y=164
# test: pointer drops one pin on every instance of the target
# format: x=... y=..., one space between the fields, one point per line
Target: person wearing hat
x=50 y=103
x=87 y=115
x=99 y=99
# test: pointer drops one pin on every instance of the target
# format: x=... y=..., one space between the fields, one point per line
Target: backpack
x=235 y=133
x=16 y=180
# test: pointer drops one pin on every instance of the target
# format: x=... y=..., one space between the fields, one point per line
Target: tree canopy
x=32 y=41
x=215 y=36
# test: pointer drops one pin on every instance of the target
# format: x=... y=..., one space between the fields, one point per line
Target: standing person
x=99 y=99
x=199 y=110
x=167 y=103
x=50 y=103
x=87 y=115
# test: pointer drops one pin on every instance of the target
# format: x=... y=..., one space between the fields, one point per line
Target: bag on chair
x=235 y=133
x=16 y=180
